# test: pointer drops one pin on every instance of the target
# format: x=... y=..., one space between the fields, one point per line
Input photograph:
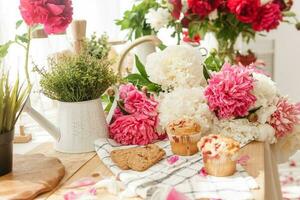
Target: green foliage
x=134 y=19
x=75 y=78
x=97 y=47
x=213 y=62
x=12 y=99
x=141 y=79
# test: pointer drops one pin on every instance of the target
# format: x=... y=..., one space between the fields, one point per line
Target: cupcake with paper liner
x=184 y=134
x=219 y=154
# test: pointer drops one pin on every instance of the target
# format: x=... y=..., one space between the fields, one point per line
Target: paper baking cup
x=184 y=145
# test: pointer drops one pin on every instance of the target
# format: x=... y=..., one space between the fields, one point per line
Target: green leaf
x=140 y=67
x=289 y=14
x=162 y=46
x=4 y=49
x=19 y=23
x=122 y=108
x=23 y=38
x=254 y=110
x=206 y=73
x=108 y=107
x=139 y=81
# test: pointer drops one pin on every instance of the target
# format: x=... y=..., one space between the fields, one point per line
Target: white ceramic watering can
x=79 y=124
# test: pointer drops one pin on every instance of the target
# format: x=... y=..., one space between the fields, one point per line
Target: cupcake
x=184 y=134
x=219 y=154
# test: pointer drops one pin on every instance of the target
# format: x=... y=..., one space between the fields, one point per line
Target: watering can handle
x=155 y=40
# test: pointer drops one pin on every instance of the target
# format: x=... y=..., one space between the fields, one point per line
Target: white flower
x=158 y=18
x=264 y=113
x=266 y=133
x=213 y=15
x=244 y=131
x=176 y=66
x=185 y=102
x=241 y=130
x=287 y=146
x=265 y=90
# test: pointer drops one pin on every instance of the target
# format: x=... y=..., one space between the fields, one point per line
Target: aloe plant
x=12 y=99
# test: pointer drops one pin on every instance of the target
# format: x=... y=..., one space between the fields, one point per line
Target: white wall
x=287 y=57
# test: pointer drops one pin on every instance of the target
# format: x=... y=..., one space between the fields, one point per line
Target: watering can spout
x=46 y=124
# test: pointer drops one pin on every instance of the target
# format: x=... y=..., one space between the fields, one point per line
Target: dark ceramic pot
x=6 y=152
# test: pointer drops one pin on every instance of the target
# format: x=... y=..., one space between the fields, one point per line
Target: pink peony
x=133 y=129
x=136 y=101
x=138 y=125
x=229 y=92
x=284 y=118
x=124 y=89
x=55 y=15
x=268 y=18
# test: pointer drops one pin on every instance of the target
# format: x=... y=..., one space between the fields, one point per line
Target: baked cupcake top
x=183 y=126
x=216 y=145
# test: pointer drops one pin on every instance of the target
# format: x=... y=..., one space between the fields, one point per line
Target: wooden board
x=72 y=162
x=32 y=175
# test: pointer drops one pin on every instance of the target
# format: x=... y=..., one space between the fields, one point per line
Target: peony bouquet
x=248 y=105
x=240 y=102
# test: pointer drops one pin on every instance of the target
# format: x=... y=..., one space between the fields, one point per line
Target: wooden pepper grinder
x=79 y=33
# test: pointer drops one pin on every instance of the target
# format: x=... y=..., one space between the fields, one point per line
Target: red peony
x=195 y=39
x=268 y=18
x=245 y=10
x=55 y=15
x=176 y=8
x=203 y=7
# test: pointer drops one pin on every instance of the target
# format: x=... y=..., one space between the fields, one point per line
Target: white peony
x=265 y=90
x=244 y=131
x=185 y=102
x=266 y=133
x=158 y=18
x=176 y=66
x=264 y=113
x=287 y=146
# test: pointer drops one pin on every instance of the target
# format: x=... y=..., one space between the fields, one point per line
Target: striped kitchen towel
x=183 y=175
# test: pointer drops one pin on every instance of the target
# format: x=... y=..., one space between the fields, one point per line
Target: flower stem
x=27 y=56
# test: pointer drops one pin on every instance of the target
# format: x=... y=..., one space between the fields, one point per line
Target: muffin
x=219 y=154
x=184 y=134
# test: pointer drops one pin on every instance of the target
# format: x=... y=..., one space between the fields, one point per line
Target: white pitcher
x=79 y=125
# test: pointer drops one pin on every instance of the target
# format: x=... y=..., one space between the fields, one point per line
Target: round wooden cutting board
x=32 y=175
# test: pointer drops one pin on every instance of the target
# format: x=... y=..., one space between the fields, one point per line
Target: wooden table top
x=79 y=166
